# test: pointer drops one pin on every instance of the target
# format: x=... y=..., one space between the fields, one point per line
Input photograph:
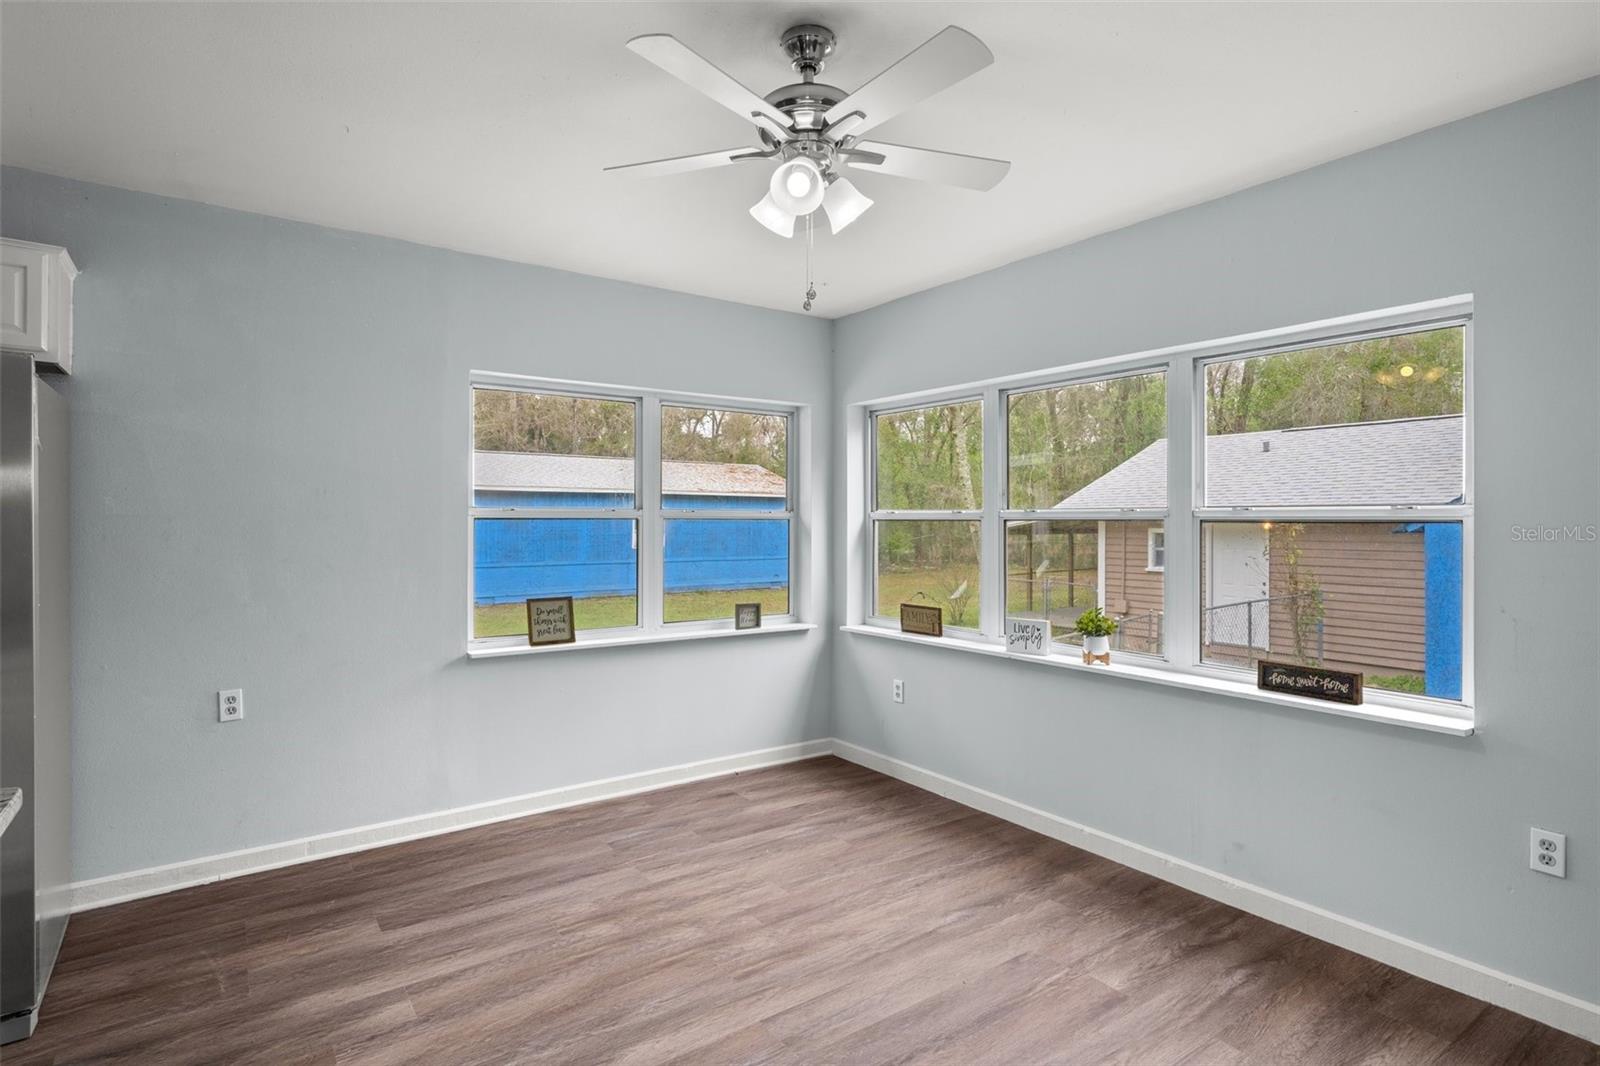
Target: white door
x=1236 y=585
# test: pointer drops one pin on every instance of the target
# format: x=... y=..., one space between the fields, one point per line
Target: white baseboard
x=1546 y=1005
x=136 y=884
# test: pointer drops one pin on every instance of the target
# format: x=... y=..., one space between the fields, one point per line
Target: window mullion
x=1181 y=578
x=992 y=558
x=652 y=527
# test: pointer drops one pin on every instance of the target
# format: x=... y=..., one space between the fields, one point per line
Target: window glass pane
x=535 y=449
x=931 y=459
x=1099 y=445
x=930 y=564
x=1058 y=570
x=1367 y=422
x=714 y=563
x=1383 y=598
x=723 y=459
x=1157 y=550
x=593 y=560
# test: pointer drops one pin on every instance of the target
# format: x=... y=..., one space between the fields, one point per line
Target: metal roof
x=1408 y=460
x=529 y=472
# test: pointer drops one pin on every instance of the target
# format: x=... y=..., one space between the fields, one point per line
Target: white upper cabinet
x=36 y=301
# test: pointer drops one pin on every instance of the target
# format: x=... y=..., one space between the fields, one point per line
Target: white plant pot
x=1097 y=645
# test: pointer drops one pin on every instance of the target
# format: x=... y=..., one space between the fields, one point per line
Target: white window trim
x=1150 y=565
x=1183 y=364
x=649 y=514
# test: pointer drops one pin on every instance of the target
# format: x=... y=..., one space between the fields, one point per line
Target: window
x=1089 y=446
x=927 y=495
x=1372 y=424
x=1086 y=493
x=558 y=472
x=1315 y=492
x=733 y=465
x=564 y=504
x=1056 y=570
x=1155 y=552
x=1382 y=598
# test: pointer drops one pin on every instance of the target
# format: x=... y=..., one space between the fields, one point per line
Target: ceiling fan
x=814 y=130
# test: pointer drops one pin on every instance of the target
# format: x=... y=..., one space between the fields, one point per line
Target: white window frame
x=1185 y=513
x=875 y=515
x=648 y=512
x=1150 y=564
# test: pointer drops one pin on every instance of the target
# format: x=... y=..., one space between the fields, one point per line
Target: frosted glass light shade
x=775 y=218
x=844 y=203
x=797 y=186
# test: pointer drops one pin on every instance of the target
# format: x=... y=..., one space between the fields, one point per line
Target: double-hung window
x=1086 y=464
x=1333 y=504
x=1298 y=495
x=655 y=512
x=927 y=510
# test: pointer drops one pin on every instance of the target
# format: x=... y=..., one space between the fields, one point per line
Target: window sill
x=503 y=651
x=1372 y=712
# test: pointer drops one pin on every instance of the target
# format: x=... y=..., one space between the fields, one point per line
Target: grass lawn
x=1397 y=683
x=930 y=588
x=611 y=612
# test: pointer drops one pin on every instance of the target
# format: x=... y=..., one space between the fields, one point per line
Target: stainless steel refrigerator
x=35 y=696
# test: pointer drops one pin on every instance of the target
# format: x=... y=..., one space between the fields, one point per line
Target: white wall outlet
x=899 y=691
x=1547 y=852
x=230 y=705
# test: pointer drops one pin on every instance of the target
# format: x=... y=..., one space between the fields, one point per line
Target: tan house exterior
x=1350 y=595
x=1346 y=561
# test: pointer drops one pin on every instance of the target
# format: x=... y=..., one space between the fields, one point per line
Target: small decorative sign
x=1336 y=686
x=550 y=621
x=747 y=616
x=926 y=621
x=1027 y=636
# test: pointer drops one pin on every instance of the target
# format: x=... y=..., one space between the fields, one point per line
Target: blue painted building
x=517 y=558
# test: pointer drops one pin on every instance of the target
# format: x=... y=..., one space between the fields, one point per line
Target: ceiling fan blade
x=944 y=59
x=925 y=164
x=688 y=66
x=683 y=164
x=844 y=203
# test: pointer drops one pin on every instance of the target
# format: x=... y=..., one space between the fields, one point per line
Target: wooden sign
x=747 y=616
x=550 y=621
x=1336 y=686
x=1027 y=636
x=927 y=621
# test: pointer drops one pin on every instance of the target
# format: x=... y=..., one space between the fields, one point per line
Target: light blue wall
x=270 y=482
x=1420 y=835
x=270 y=486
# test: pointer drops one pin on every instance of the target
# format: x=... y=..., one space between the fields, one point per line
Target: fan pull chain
x=811 y=288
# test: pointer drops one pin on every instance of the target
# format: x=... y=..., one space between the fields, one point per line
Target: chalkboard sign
x=550 y=621
x=1336 y=686
x=747 y=616
x=925 y=621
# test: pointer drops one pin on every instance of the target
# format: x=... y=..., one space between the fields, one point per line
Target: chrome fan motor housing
x=804 y=102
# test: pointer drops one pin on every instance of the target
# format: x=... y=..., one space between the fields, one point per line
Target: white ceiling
x=484 y=127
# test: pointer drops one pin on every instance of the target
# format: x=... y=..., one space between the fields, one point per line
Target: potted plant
x=1096 y=630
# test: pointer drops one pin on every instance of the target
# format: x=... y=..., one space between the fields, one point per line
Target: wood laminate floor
x=816 y=912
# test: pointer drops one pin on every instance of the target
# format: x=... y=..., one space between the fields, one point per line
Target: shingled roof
x=1407 y=460
x=527 y=472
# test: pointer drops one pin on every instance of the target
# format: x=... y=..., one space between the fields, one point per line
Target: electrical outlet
x=899 y=691
x=1547 y=852
x=230 y=705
